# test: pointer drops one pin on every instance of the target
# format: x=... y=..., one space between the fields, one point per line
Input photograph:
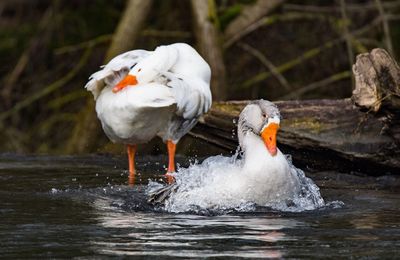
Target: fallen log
x=353 y=134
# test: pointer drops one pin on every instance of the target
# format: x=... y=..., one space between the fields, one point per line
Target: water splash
x=216 y=186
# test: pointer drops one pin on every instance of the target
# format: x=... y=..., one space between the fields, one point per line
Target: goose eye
x=264 y=115
x=139 y=70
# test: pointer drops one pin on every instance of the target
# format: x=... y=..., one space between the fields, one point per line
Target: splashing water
x=216 y=185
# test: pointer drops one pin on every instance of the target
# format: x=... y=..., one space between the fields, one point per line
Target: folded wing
x=192 y=95
x=114 y=71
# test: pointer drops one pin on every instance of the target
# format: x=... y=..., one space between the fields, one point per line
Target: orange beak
x=129 y=80
x=269 y=137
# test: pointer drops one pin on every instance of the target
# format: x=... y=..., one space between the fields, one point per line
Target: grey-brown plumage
x=255 y=116
x=159 y=196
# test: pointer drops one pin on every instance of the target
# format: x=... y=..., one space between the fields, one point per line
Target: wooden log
x=377 y=78
x=322 y=134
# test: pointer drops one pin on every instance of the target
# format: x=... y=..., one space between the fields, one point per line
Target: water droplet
x=209 y=185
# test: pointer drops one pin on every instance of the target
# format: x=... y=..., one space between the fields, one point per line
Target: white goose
x=264 y=176
x=142 y=94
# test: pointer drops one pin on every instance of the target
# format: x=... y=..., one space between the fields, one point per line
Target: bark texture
x=322 y=134
x=377 y=78
x=129 y=27
x=208 y=43
x=331 y=134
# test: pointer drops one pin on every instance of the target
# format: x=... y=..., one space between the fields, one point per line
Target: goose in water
x=142 y=94
x=263 y=176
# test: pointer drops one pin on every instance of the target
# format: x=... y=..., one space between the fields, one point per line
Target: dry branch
x=350 y=7
x=47 y=89
x=267 y=63
x=346 y=33
x=295 y=94
x=83 y=45
x=272 y=19
x=385 y=25
x=309 y=54
x=42 y=35
x=250 y=15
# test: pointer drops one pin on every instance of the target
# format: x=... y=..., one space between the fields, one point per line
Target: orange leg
x=131 y=157
x=171 y=155
x=171 y=163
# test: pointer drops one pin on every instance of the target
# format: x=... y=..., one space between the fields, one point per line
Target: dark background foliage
x=298 y=50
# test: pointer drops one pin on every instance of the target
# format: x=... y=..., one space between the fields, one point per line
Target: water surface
x=83 y=206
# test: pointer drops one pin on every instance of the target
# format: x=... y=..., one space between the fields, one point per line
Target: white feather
x=114 y=71
x=173 y=91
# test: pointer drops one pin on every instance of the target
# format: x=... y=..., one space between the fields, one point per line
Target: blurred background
x=275 y=49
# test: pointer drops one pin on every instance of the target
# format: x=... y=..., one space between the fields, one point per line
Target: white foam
x=217 y=184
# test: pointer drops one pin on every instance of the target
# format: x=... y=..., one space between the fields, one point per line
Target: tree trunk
x=87 y=131
x=328 y=134
x=129 y=27
x=208 y=41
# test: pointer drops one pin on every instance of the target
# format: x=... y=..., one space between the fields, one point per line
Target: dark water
x=82 y=206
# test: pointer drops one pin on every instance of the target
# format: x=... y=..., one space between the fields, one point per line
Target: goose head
x=147 y=70
x=260 y=118
x=139 y=73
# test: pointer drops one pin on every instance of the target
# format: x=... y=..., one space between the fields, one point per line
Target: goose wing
x=114 y=71
x=159 y=196
x=192 y=95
